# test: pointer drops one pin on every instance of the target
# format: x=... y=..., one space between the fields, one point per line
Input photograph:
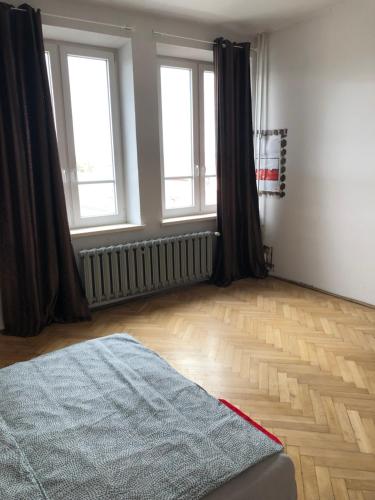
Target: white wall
x=322 y=88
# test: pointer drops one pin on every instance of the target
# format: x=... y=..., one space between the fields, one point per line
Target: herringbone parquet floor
x=300 y=362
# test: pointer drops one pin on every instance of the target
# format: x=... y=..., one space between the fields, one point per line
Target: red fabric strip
x=250 y=420
x=265 y=174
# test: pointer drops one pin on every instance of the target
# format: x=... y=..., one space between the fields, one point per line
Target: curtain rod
x=193 y=39
x=123 y=27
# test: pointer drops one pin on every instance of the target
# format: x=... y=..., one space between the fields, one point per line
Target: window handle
x=197 y=170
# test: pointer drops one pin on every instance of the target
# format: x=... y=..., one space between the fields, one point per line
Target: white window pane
x=176 y=102
x=210 y=191
x=209 y=123
x=96 y=200
x=91 y=112
x=178 y=193
x=47 y=56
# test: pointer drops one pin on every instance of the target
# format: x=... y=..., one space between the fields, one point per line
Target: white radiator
x=116 y=272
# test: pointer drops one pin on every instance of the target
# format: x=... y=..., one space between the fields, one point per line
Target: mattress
x=110 y=419
x=272 y=479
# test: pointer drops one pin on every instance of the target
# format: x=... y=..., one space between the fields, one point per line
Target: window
x=188 y=153
x=85 y=103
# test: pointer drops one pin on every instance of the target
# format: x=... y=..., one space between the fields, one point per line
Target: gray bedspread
x=110 y=419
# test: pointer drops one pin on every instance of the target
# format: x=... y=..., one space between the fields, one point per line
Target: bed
x=110 y=419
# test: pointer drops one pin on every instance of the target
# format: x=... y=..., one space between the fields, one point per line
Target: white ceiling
x=245 y=16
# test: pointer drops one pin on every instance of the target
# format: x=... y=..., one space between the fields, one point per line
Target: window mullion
x=196 y=139
x=71 y=163
x=178 y=177
x=116 y=137
x=203 y=68
x=201 y=139
x=97 y=182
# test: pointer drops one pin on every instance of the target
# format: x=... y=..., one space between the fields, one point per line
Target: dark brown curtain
x=38 y=275
x=239 y=250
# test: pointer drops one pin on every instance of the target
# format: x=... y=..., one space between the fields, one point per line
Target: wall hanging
x=270 y=161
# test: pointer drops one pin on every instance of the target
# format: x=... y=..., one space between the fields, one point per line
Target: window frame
x=59 y=52
x=197 y=69
x=202 y=68
x=59 y=115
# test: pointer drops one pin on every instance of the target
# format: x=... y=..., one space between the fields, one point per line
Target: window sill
x=93 y=231
x=188 y=218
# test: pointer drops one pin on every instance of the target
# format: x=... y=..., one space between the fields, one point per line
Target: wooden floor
x=300 y=362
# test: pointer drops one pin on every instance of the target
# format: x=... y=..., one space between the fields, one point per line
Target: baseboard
x=315 y=289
